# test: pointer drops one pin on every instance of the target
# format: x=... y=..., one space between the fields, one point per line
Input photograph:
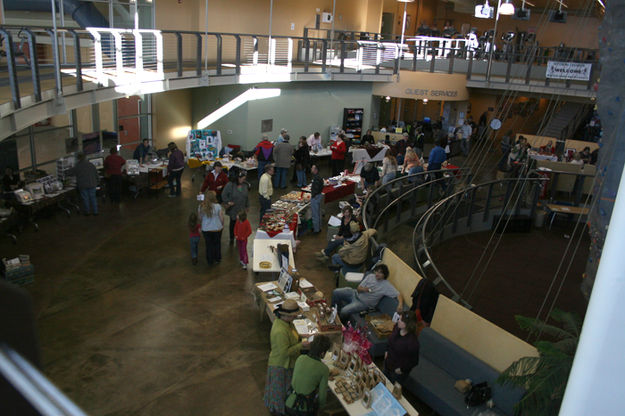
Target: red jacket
x=113 y=164
x=338 y=150
x=242 y=230
x=212 y=183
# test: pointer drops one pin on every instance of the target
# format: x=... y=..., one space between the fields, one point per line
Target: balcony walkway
x=102 y=64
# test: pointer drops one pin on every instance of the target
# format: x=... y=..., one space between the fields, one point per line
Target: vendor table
x=334 y=193
x=264 y=250
x=357 y=408
x=268 y=295
x=325 y=152
x=285 y=235
x=554 y=209
x=539 y=156
x=61 y=200
x=267 y=301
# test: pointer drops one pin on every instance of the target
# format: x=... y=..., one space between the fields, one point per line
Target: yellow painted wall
x=172 y=117
x=397 y=8
x=481 y=338
x=402 y=276
x=252 y=16
x=420 y=85
x=106 y=116
x=83 y=114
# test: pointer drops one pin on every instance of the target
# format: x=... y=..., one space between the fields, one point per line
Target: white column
x=595 y=385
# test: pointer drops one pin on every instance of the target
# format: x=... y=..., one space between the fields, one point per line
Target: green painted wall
x=302 y=108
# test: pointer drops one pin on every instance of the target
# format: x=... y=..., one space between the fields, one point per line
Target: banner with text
x=568 y=70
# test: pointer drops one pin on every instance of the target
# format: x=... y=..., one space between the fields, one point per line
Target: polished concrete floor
x=128 y=325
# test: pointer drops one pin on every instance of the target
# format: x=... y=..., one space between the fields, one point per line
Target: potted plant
x=544 y=377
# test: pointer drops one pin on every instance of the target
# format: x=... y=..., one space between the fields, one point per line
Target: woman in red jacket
x=215 y=180
x=339 y=148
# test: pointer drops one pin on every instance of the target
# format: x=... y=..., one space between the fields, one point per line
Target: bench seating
x=441 y=364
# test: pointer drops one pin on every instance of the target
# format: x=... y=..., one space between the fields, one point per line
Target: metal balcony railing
x=33 y=386
x=409 y=196
x=43 y=65
x=482 y=207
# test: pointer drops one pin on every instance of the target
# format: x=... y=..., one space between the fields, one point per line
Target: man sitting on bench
x=371 y=289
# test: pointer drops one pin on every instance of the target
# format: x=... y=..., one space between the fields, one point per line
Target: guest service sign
x=422 y=85
x=568 y=70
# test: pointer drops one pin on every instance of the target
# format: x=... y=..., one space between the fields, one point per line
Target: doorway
x=387 y=26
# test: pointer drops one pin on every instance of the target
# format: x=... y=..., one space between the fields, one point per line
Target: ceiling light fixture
x=506 y=9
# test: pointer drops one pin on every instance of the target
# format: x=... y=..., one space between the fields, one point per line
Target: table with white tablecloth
x=284 y=235
x=539 y=156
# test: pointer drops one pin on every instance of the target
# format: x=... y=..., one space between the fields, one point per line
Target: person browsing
x=373 y=287
x=316 y=196
x=215 y=180
x=175 y=168
x=265 y=191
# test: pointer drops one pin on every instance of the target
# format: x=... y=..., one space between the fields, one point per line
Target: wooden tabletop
x=566 y=209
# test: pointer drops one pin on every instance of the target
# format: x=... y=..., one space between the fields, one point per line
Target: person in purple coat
x=403 y=349
x=174 y=169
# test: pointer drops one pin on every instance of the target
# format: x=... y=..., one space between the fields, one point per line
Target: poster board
x=204 y=144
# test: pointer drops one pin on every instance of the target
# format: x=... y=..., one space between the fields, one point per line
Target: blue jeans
x=89 y=200
x=315 y=206
x=347 y=302
x=195 y=241
x=346 y=268
x=279 y=179
x=175 y=176
x=465 y=146
x=388 y=177
x=301 y=178
x=415 y=170
x=265 y=204
x=332 y=246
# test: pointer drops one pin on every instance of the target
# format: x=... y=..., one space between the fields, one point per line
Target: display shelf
x=352 y=123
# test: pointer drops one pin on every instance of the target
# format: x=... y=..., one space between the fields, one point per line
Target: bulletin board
x=203 y=144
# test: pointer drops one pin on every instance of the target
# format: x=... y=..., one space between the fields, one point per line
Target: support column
x=95 y=121
x=33 y=154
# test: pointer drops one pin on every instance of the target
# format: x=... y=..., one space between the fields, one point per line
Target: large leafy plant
x=544 y=377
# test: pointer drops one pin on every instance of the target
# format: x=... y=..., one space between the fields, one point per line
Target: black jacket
x=317 y=186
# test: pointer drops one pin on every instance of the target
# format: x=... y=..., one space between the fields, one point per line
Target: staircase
x=565 y=121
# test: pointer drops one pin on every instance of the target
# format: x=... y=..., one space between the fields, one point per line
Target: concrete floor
x=128 y=325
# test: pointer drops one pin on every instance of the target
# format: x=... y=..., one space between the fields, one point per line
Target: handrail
x=147 y=55
x=406 y=178
x=431 y=182
x=47 y=399
x=421 y=228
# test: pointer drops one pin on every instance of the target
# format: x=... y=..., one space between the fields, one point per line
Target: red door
x=128 y=116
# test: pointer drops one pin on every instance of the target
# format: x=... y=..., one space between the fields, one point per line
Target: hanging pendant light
x=507 y=8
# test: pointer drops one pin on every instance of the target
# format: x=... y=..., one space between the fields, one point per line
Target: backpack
x=479 y=394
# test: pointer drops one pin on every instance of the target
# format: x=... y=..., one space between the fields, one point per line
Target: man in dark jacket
x=86 y=181
x=141 y=152
x=316 y=196
x=175 y=167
